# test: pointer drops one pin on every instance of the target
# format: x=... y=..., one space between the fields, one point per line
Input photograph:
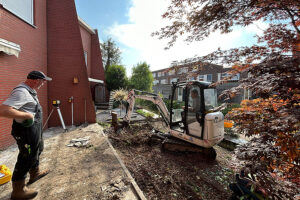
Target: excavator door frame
x=191 y=123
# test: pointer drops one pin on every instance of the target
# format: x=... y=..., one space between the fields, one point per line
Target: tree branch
x=292 y=18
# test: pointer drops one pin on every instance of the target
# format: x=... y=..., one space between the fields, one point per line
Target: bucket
x=5 y=174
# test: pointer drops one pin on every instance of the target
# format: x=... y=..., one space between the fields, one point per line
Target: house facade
x=50 y=37
x=194 y=70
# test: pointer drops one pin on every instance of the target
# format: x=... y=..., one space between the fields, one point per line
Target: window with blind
x=21 y=8
x=209 y=77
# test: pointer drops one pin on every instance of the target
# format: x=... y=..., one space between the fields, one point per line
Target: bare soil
x=172 y=175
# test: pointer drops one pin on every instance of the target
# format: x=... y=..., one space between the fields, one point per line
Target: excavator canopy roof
x=201 y=84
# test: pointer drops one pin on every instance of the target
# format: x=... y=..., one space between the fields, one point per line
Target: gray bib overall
x=30 y=142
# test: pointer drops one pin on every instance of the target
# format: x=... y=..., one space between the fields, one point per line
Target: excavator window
x=178 y=105
x=178 y=109
x=185 y=115
x=194 y=103
x=194 y=111
x=210 y=97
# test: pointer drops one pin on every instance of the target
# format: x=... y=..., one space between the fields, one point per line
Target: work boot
x=36 y=174
x=20 y=191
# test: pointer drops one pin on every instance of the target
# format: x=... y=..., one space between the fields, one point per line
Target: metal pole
x=61 y=118
x=72 y=112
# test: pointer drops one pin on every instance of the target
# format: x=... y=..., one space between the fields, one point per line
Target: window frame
x=223 y=75
x=202 y=78
x=236 y=77
x=183 y=70
x=172 y=72
x=31 y=22
x=207 y=77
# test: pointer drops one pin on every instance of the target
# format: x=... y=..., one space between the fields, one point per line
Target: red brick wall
x=97 y=64
x=97 y=70
x=86 y=43
x=33 y=56
x=65 y=61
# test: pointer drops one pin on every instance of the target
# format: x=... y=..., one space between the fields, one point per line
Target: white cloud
x=145 y=18
x=257 y=27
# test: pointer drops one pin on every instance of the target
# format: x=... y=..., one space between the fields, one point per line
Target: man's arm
x=10 y=112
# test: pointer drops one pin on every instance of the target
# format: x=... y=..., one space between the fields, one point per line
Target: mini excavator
x=195 y=126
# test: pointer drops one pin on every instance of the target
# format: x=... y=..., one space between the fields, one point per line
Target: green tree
x=111 y=54
x=141 y=78
x=116 y=77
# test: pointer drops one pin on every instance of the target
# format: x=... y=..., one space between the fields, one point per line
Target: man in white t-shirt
x=23 y=106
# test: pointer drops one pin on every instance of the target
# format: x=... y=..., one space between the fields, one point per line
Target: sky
x=130 y=24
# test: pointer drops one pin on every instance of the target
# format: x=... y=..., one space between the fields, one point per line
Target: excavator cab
x=190 y=103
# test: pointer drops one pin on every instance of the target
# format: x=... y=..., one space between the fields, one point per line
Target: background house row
x=195 y=70
x=48 y=36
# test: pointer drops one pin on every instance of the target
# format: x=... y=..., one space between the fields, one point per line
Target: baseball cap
x=38 y=75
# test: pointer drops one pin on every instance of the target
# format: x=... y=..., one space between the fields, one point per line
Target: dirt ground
x=172 y=175
x=93 y=171
x=90 y=172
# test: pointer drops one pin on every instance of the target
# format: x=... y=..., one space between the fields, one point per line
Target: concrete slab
x=92 y=172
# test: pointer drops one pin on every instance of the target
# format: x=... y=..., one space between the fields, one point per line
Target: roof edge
x=86 y=26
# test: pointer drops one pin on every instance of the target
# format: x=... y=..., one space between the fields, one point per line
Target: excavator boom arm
x=156 y=99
